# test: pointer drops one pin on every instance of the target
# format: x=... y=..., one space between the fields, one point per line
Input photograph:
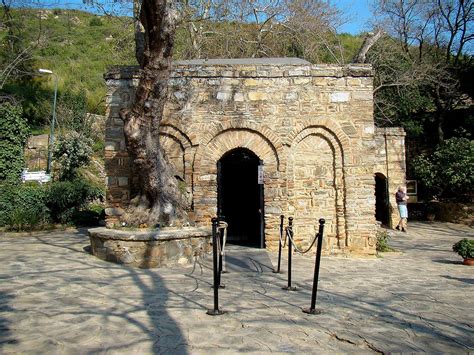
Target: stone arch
x=205 y=168
x=339 y=144
x=177 y=133
x=263 y=131
x=332 y=131
x=232 y=138
x=177 y=145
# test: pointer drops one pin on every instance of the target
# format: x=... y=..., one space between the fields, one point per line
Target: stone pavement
x=56 y=298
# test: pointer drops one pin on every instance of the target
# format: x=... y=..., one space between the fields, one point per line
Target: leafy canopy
x=450 y=169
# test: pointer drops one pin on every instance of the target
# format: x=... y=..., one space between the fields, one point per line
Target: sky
x=357 y=12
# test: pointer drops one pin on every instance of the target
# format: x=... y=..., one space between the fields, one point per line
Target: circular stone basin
x=148 y=249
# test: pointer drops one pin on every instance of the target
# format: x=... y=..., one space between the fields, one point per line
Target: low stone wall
x=149 y=249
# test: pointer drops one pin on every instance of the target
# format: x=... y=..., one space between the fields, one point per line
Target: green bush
x=383 y=239
x=23 y=207
x=13 y=135
x=450 y=169
x=465 y=248
x=65 y=199
x=72 y=151
x=95 y=21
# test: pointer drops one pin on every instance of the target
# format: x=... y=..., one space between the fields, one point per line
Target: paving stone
x=56 y=298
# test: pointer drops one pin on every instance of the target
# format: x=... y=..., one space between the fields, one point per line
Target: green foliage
x=89 y=216
x=72 y=112
x=465 y=248
x=72 y=151
x=76 y=50
x=13 y=135
x=383 y=239
x=30 y=206
x=450 y=169
x=23 y=207
x=95 y=21
x=66 y=199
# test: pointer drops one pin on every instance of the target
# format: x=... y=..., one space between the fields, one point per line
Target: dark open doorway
x=382 y=211
x=240 y=197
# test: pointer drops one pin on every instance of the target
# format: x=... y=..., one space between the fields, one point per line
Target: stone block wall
x=391 y=163
x=312 y=125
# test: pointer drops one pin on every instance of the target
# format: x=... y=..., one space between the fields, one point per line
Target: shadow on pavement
x=73 y=299
x=460 y=279
x=5 y=332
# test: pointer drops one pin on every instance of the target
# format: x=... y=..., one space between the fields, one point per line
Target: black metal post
x=312 y=309
x=277 y=271
x=290 y=252
x=215 y=311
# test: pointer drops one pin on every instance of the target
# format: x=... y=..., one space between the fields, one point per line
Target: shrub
x=13 y=135
x=465 y=248
x=72 y=151
x=23 y=207
x=449 y=169
x=383 y=239
x=66 y=198
x=95 y=21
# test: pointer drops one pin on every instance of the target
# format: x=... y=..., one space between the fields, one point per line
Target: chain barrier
x=289 y=234
x=281 y=244
x=290 y=254
x=219 y=230
x=222 y=227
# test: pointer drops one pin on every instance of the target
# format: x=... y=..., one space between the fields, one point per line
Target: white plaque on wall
x=260 y=174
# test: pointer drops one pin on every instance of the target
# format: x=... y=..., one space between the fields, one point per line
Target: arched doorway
x=240 y=197
x=382 y=213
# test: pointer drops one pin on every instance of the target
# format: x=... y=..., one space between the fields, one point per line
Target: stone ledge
x=159 y=235
x=149 y=249
x=116 y=74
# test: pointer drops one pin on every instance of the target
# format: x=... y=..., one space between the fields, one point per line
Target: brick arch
x=233 y=138
x=177 y=134
x=237 y=124
x=339 y=152
x=329 y=129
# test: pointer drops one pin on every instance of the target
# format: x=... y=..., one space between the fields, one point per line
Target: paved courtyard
x=56 y=298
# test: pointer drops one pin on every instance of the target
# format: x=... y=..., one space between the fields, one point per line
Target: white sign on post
x=260 y=174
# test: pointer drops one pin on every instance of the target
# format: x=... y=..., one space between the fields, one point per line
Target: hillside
x=79 y=46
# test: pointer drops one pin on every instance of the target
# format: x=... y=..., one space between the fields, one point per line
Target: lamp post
x=53 y=121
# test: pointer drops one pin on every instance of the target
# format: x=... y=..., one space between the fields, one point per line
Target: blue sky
x=357 y=12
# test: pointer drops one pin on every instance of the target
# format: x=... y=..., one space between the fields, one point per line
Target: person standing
x=401 y=197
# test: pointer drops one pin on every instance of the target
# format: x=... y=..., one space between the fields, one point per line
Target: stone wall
x=312 y=125
x=391 y=163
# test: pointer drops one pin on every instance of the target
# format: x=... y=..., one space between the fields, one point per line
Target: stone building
x=257 y=138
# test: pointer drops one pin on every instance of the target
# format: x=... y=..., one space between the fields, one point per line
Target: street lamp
x=51 y=135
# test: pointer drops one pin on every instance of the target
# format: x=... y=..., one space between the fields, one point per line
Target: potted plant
x=465 y=248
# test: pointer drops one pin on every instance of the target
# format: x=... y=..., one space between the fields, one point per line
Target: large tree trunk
x=160 y=198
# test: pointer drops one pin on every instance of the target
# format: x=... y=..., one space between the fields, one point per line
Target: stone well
x=148 y=249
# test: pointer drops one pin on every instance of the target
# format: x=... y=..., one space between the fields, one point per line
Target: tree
x=450 y=169
x=160 y=195
x=420 y=65
x=16 y=52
